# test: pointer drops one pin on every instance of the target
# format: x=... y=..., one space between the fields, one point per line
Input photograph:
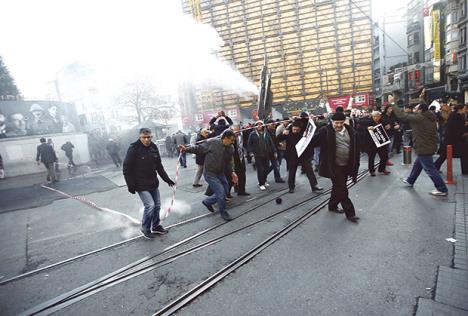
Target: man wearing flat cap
x=339 y=159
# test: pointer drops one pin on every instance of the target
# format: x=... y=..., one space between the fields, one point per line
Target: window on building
x=463 y=9
x=416 y=59
x=416 y=38
x=451 y=35
x=463 y=36
x=462 y=63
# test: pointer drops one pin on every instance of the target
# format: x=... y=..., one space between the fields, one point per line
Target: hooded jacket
x=424 y=128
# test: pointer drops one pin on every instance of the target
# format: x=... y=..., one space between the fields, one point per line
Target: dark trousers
x=398 y=139
x=239 y=168
x=463 y=159
x=261 y=164
x=183 y=158
x=339 y=193
x=116 y=159
x=274 y=166
x=383 y=155
x=70 y=159
x=306 y=166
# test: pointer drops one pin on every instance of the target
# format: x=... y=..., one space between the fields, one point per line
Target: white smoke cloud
x=120 y=42
x=179 y=208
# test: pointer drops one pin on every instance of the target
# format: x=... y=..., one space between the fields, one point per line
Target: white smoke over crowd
x=119 y=40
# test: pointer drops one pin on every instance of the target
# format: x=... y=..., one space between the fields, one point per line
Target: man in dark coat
x=454 y=130
x=169 y=146
x=365 y=125
x=113 y=149
x=262 y=147
x=274 y=164
x=181 y=138
x=46 y=155
x=239 y=160
x=292 y=138
x=68 y=149
x=339 y=159
x=141 y=167
x=220 y=123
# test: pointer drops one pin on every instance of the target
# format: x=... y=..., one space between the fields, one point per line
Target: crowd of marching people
x=223 y=149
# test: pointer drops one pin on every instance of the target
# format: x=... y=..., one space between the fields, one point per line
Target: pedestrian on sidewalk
x=141 y=167
x=262 y=148
x=339 y=149
x=200 y=158
x=369 y=146
x=218 y=158
x=113 y=149
x=68 y=149
x=46 y=155
x=181 y=138
x=425 y=139
x=454 y=131
x=292 y=138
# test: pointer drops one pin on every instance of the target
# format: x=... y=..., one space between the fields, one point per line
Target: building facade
x=315 y=49
x=462 y=49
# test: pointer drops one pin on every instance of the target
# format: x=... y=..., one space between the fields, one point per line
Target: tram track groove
x=137 y=268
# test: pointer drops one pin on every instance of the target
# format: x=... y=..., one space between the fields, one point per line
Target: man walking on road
x=46 y=155
x=68 y=149
x=141 y=167
x=423 y=124
x=113 y=149
x=181 y=139
x=292 y=138
x=218 y=158
x=339 y=159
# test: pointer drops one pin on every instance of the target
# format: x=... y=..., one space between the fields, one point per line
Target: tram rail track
x=143 y=265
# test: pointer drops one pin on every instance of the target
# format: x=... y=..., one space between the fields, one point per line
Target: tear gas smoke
x=179 y=207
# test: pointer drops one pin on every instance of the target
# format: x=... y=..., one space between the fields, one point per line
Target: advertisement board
x=24 y=118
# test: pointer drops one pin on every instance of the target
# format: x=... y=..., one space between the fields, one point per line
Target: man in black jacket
x=200 y=158
x=292 y=138
x=141 y=167
x=339 y=159
x=46 y=155
x=263 y=149
x=239 y=160
x=68 y=149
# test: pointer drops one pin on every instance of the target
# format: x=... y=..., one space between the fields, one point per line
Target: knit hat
x=338 y=116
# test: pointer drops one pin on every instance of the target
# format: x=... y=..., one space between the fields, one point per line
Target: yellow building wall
x=314 y=48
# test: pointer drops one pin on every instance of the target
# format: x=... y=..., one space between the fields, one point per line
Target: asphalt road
x=325 y=266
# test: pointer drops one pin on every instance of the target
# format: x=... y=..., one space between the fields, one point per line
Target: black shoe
x=291 y=190
x=196 y=185
x=372 y=174
x=209 y=207
x=336 y=210
x=229 y=196
x=353 y=219
x=48 y=178
x=159 y=230
x=226 y=216
x=280 y=181
x=317 y=188
x=243 y=194
x=146 y=234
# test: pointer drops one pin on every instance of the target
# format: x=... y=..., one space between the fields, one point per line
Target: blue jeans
x=183 y=158
x=152 y=203
x=425 y=162
x=220 y=187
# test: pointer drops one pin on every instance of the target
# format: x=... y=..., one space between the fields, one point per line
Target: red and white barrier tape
x=174 y=188
x=93 y=205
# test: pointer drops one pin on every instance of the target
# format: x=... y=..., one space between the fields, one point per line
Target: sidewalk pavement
x=451 y=290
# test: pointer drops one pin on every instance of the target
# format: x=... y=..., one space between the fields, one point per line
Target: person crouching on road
x=292 y=138
x=339 y=159
x=141 y=167
x=218 y=157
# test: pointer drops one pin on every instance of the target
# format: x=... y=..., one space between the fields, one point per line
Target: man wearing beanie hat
x=339 y=159
x=424 y=126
